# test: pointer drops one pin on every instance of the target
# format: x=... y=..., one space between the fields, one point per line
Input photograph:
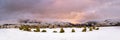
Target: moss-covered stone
x=20 y=28
x=43 y=31
x=37 y=29
x=94 y=27
x=62 y=30
x=55 y=31
x=90 y=29
x=84 y=30
x=73 y=30
x=97 y=29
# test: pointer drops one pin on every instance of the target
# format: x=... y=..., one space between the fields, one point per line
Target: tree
x=62 y=30
x=91 y=23
x=117 y=24
x=73 y=30
x=0 y=27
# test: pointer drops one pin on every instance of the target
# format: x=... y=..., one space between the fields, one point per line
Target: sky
x=74 y=11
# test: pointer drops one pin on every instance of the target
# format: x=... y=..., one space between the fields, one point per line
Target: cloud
x=56 y=10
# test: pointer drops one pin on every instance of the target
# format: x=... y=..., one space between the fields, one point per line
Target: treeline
x=47 y=25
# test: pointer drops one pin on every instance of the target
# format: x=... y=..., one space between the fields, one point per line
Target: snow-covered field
x=105 y=33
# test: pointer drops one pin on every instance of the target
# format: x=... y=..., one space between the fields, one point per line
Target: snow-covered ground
x=105 y=33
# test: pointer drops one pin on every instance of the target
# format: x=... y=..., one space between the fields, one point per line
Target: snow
x=105 y=33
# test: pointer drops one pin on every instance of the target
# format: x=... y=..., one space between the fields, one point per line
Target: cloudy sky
x=59 y=10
